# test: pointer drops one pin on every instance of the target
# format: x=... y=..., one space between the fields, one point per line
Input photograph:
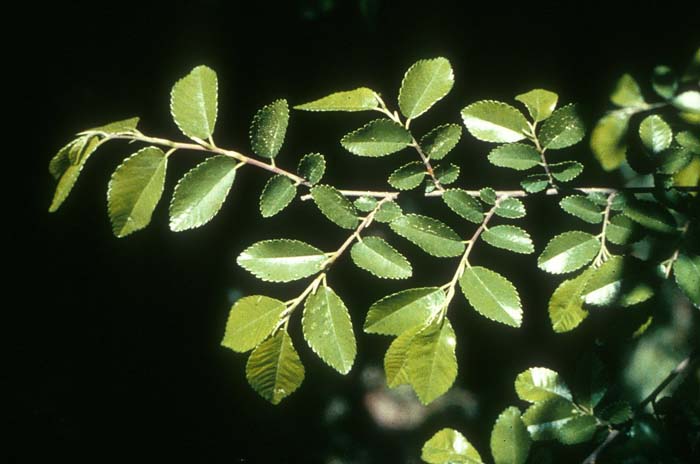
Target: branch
x=680 y=369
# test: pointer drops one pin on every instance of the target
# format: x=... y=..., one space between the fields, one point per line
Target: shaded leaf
x=388 y=211
x=493 y=121
x=194 y=103
x=510 y=208
x=565 y=308
x=617 y=281
x=686 y=271
x=651 y=215
x=402 y=311
x=268 y=128
x=540 y=103
x=540 y=384
x=510 y=238
x=579 y=429
x=377 y=138
x=251 y=320
x=376 y=256
x=279 y=192
x=535 y=183
x=510 y=440
x=516 y=156
x=488 y=196
x=328 y=329
x=335 y=206
x=655 y=133
x=432 y=364
x=282 y=260
x=622 y=230
x=446 y=173
x=563 y=129
x=664 y=81
x=627 y=93
x=591 y=381
x=492 y=295
x=689 y=141
x=408 y=176
x=135 y=189
x=431 y=235
x=566 y=171
x=201 y=192
x=544 y=420
x=274 y=369
x=449 y=447
x=423 y=85
x=463 y=204
x=440 y=141
x=312 y=167
x=360 y=99
x=674 y=160
x=117 y=127
x=568 y=251
x=616 y=413
x=582 y=208
x=608 y=140
x=396 y=358
x=67 y=164
x=365 y=203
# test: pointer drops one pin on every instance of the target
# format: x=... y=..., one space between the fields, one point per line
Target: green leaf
x=686 y=270
x=618 y=412
x=535 y=183
x=402 y=311
x=396 y=358
x=201 y=192
x=194 y=101
x=493 y=121
x=510 y=208
x=674 y=160
x=627 y=93
x=510 y=440
x=376 y=256
x=689 y=141
x=510 y=238
x=565 y=308
x=579 y=429
x=540 y=103
x=335 y=206
x=135 y=189
x=312 y=167
x=545 y=420
x=446 y=173
x=568 y=251
x=388 y=212
x=692 y=72
x=437 y=143
x=377 y=138
x=360 y=99
x=282 y=260
x=540 y=384
x=408 y=176
x=651 y=215
x=582 y=208
x=328 y=329
x=488 y=196
x=622 y=230
x=655 y=133
x=274 y=369
x=449 y=447
x=67 y=164
x=279 y=192
x=608 y=139
x=432 y=364
x=566 y=171
x=431 y=235
x=664 y=82
x=563 y=129
x=424 y=84
x=516 y=156
x=118 y=127
x=492 y=295
x=365 y=203
x=591 y=381
x=251 y=320
x=687 y=101
x=268 y=128
x=464 y=205
x=617 y=281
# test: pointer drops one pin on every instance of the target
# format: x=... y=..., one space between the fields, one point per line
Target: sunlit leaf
x=566 y=171
x=335 y=206
x=135 y=189
x=402 y=311
x=535 y=183
x=655 y=133
x=493 y=121
x=492 y=295
x=328 y=329
x=201 y=192
x=408 y=176
x=377 y=138
x=396 y=358
x=540 y=384
x=689 y=141
x=251 y=320
x=388 y=212
x=510 y=440
x=686 y=271
x=279 y=192
x=582 y=208
x=67 y=164
x=432 y=364
x=687 y=101
x=194 y=103
x=540 y=103
x=423 y=85
x=431 y=235
x=360 y=99
x=365 y=203
x=440 y=141
x=617 y=281
x=515 y=156
x=282 y=260
x=376 y=256
x=565 y=308
x=449 y=447
x=268 y=128
x=608 y=139
x=544 y=420
x=510 y=208
x=568 y=251
x=464 y=205
x=622 y=230
x=562 y=129
x=627 y=93
x=579 y=429
x=510 y=238
x=274 y=369
x=124 y=126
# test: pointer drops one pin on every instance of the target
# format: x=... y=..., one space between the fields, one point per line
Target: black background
x=117 y=355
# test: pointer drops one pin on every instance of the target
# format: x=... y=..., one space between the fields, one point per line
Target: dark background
x=118 y=353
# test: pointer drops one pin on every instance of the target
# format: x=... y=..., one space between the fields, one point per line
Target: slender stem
x=553 y=191
x=603 y=254
x=680 y=369
x=674 y=257
x=532 y=136
x=360 y=193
